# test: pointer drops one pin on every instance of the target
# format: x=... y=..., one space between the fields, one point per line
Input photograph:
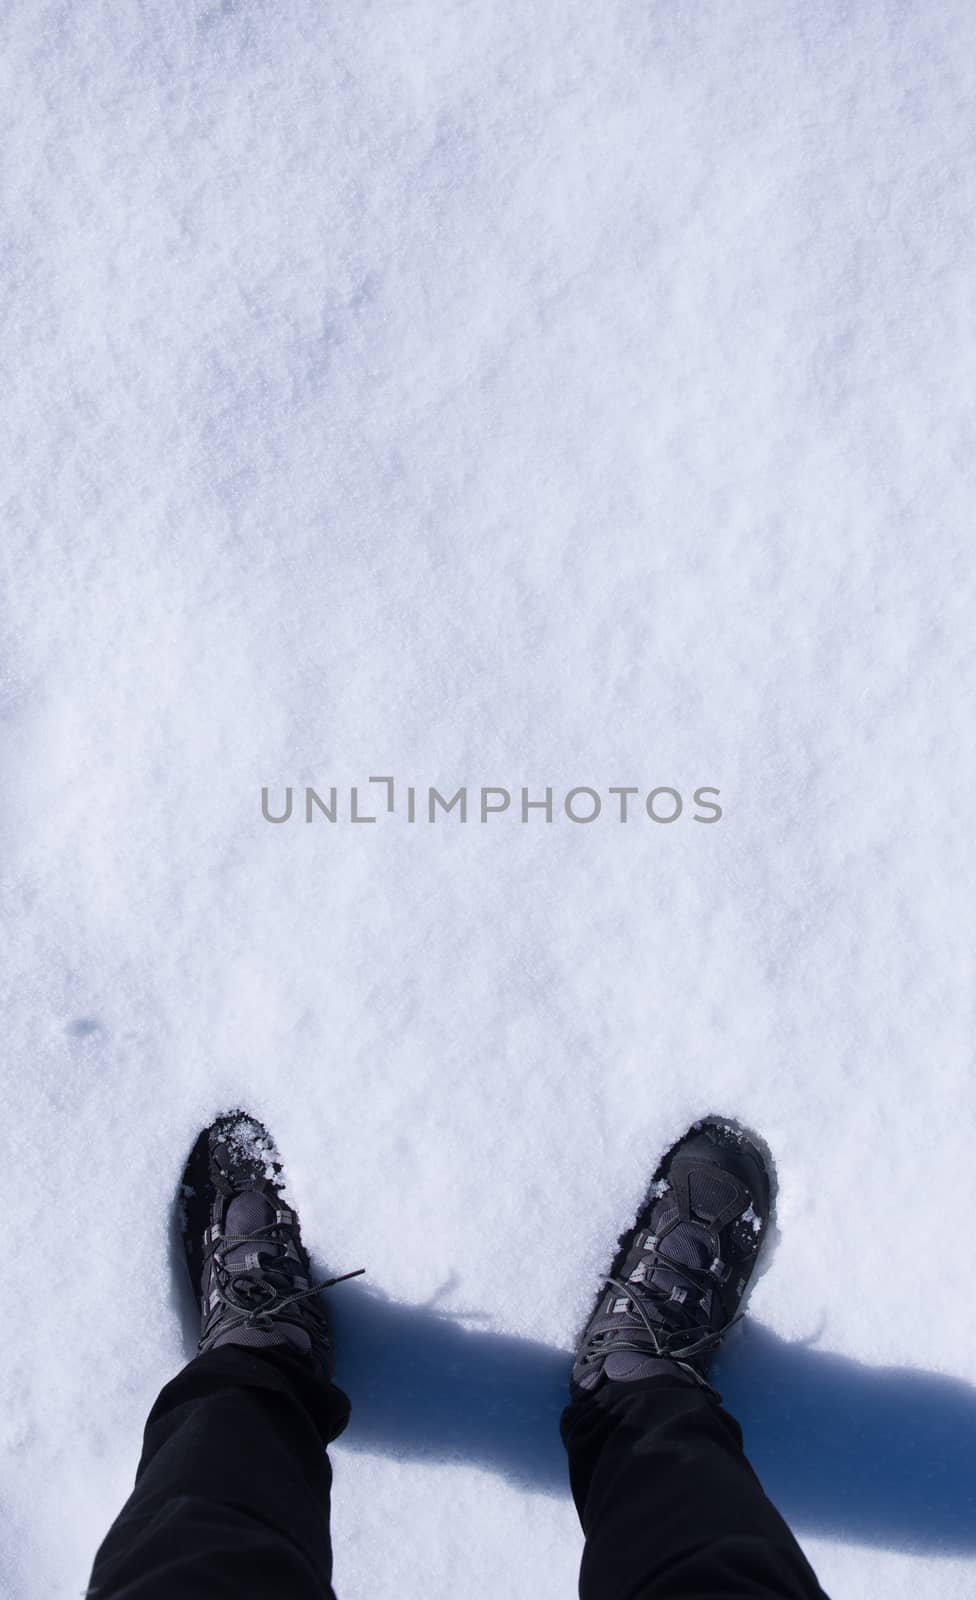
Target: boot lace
x=252 y=1296
x=642 y=1328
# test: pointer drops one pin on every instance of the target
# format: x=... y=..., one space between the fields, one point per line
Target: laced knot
x=638 y=1322
x=256 y=1296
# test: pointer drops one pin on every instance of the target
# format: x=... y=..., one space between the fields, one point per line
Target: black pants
x=232 y=1494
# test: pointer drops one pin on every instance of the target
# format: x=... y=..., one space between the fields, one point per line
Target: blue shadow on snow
x=876 y=1455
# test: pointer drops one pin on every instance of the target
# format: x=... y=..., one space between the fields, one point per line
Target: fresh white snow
x=491 y=394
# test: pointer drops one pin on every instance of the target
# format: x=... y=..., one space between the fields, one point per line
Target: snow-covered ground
x=501 y=393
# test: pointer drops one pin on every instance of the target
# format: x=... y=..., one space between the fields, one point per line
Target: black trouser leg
x=232 y=1492
x=670 y=1506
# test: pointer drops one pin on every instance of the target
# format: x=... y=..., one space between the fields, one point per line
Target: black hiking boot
x=681 y=1271
x=249 y=1268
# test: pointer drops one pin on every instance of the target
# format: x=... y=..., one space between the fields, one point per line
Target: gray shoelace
x=245 y=1309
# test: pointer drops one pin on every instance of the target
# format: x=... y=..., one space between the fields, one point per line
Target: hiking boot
x=676 y=1285
x=249 y=1268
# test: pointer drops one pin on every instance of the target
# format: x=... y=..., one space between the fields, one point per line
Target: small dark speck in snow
x=83 y=1027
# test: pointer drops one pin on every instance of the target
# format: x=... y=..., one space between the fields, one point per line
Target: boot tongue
x=686 y=1244
x=247 y=1213
x=688 y=1303
x=257 y=1267
x=248 y=1210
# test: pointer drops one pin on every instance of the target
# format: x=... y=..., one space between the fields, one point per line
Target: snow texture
x=492 y=394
